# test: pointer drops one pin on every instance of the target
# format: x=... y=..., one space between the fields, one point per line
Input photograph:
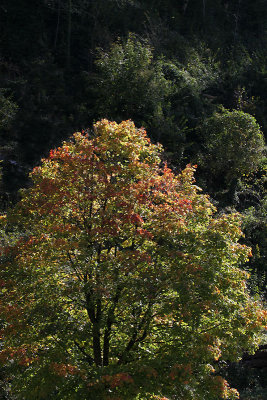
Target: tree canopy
x=192 y=72
x=123 y=282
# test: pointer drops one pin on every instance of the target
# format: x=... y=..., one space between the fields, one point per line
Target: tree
x=135 y=83
x=8 y=145
x=121 y=283
x=233 y=147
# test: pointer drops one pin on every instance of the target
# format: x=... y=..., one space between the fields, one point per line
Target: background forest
x=192 y=72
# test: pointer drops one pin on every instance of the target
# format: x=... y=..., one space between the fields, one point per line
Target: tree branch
x=135 y=339
x=110 y=320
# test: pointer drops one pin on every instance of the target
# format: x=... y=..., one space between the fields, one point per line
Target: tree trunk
x=97 y=345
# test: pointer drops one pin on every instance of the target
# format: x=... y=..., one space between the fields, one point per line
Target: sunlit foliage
x=122 y=283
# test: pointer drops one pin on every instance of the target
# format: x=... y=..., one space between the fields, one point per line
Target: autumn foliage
x=120 y=280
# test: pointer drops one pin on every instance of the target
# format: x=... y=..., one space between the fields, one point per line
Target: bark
x=94 y=313
x=110 y=320
x=97 y=345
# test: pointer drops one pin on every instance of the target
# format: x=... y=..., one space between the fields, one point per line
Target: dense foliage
x=122 y=283
x=192 y=72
